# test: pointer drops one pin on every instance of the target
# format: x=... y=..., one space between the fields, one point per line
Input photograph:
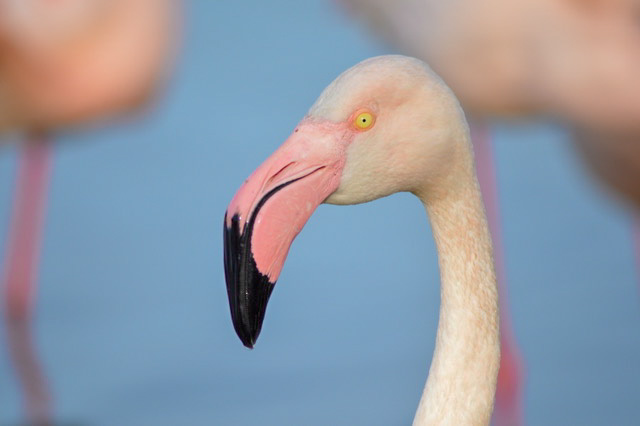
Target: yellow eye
x=364 y=120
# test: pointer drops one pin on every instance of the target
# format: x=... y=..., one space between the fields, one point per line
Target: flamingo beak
x=268 y=212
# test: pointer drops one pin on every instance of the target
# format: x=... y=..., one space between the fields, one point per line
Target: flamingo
x=574 y=60
x=386 y=125
x=64 y=64
x=85 y=61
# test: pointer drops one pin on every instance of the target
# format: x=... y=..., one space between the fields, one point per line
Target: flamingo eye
x=364 y=120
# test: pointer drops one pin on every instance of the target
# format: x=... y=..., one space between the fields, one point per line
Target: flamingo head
x=386 y=125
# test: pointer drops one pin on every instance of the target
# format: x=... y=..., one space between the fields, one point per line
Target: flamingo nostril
x=274 y=177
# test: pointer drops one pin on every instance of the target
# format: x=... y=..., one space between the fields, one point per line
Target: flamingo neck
x=464 y=369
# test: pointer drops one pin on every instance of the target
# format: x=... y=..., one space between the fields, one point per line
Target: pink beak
x=270 y=209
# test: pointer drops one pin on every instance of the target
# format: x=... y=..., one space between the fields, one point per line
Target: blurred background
x=131 y=323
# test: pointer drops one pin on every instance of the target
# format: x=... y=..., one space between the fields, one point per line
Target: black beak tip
x=249 y=343
x=248 y=289
x=247 y=334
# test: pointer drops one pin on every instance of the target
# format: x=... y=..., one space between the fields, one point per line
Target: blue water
x=132 y=322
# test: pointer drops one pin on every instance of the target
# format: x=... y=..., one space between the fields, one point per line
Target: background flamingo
x=61 y=65
x=576 y=61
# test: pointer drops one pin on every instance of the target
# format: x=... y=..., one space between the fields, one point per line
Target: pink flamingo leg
x=20 y=277
x=636 y=242
x=26 y=228
x=508 y=408
x=33 y=381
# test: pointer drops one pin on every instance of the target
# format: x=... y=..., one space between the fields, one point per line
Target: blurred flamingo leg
x=20 y=278
x=31 y=377
x=508 y=408
x=26 y=229
x=636 y=243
